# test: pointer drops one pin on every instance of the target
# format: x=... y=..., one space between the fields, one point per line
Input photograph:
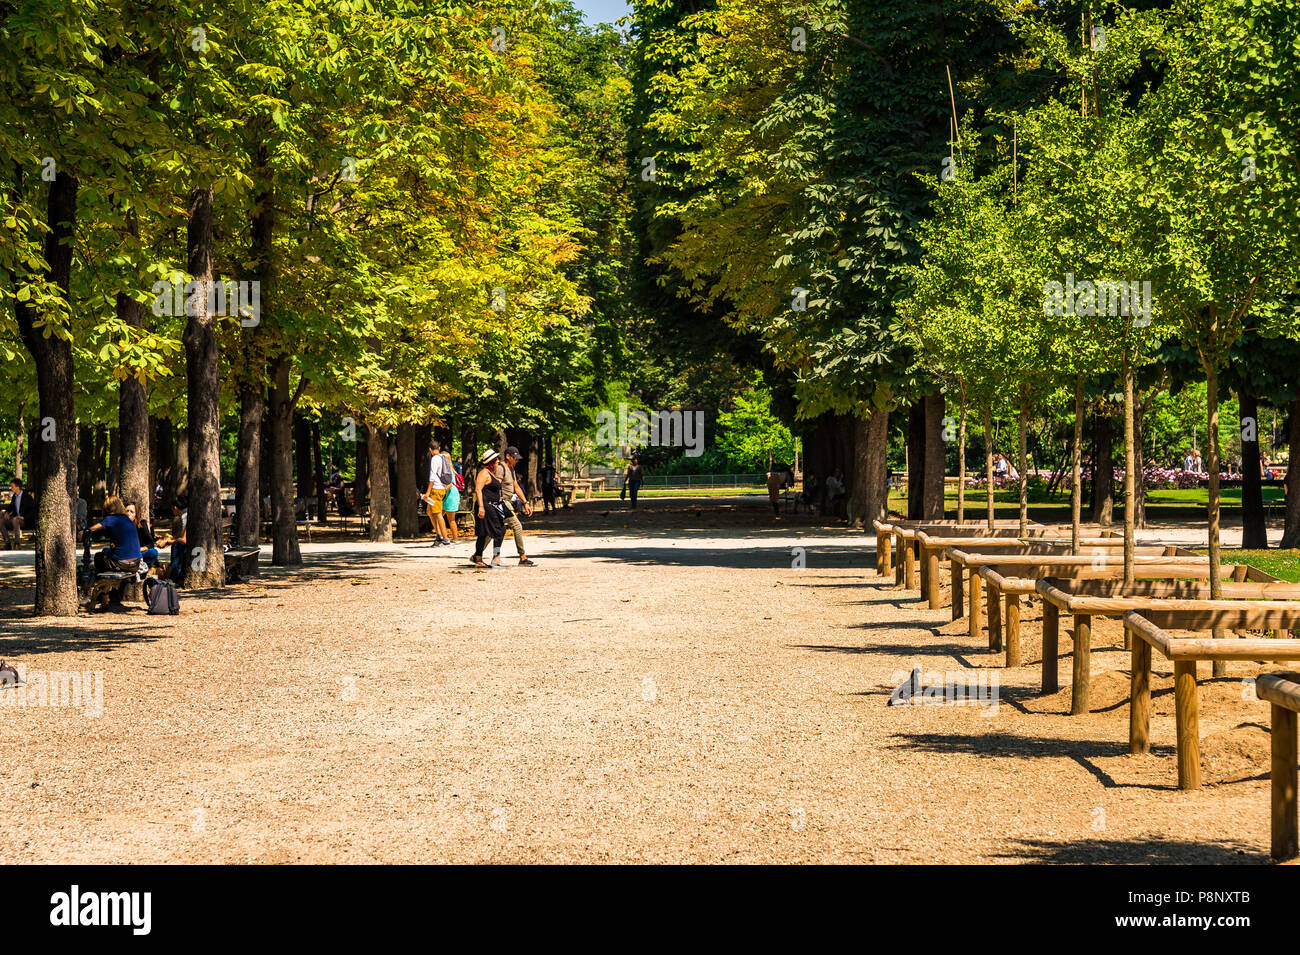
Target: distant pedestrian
x=633 y=478
x=778 y=479
x=550 y=487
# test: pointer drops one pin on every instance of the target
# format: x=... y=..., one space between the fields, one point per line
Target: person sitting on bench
x=148 y=548
x=20 y=513
x=180 y=549
x=124 y=555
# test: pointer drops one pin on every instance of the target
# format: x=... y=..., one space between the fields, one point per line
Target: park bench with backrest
x=1089 y=599
x=94 y=584
x=1282 y=691
x=1149 y=630
x=241 y=563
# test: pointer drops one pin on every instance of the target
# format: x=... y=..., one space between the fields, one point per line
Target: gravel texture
x=690 y=682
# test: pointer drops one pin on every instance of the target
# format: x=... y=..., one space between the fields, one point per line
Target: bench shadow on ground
x=105 y=630
x=1133 y=851
x=1012 y=746
x=931 y=652
x=699 y=554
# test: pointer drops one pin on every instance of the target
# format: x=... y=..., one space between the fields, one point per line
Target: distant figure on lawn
x=778 y=479
x=633 y=478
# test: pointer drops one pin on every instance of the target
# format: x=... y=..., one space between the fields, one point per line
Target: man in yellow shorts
x=441 y=477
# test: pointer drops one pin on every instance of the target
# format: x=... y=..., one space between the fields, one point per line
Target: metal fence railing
x=699 y=480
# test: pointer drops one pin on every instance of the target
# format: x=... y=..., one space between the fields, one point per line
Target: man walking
x=441 y=477
x=514 y=500
x=550 y=484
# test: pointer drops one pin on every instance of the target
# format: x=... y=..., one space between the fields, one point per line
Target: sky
x=602 y=11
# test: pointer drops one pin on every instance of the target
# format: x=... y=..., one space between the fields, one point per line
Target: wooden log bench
x=934 y=547
x=885 y=531
x=1088 y=599
x=903 y=534
x=1282 y=691
x=241 y=563
x=1032 y=566
x=1149 y=630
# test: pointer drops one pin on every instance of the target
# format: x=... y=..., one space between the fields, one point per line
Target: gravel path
x=666 y=686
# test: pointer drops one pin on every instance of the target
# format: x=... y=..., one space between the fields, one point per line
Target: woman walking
x=489 y=515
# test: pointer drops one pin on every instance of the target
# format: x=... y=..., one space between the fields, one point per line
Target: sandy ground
x=690 y=683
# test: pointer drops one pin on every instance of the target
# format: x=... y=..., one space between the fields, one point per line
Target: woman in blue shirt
x=124 y=555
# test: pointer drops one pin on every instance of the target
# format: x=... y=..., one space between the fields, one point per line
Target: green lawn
x=691 y=492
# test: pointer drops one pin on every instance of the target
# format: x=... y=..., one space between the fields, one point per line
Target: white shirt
x=436 y=464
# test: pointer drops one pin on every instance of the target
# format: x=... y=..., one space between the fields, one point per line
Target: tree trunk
x=56 y=478
x=1291 y=533
x=133 y=425
x=1139 y=458
x=1130 y=476
x=961 y=462
x=251 y=474
x=113 y=485
x=1254 y=530
x=408 y=516
x=361 y=471
x=1024 y=467
x=1103 y=470
x=869 y=482
x=163 y=458
x=285 y=551
x=203 y=390
x=302 y=458
x=916 y=460
x=181 y=465
x=988 y=465
x=85 y=461
x=380 y=528
x=248 y=469
x=469 y=444
x=1212 y=464
x=18 y=445
x=318 y=475
x=935 y=458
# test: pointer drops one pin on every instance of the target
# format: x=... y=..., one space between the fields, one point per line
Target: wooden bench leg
x=882 y=554
x=1051 y=646
x=1081 y=684
x=932 y=578
x=1013 y=630
x=993 y=601
x=909 y=565
x=1185 y=717
x=1286 y=835
x=899 y=545
x=1139 y=709
x=958 y=593
x=976 y=615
